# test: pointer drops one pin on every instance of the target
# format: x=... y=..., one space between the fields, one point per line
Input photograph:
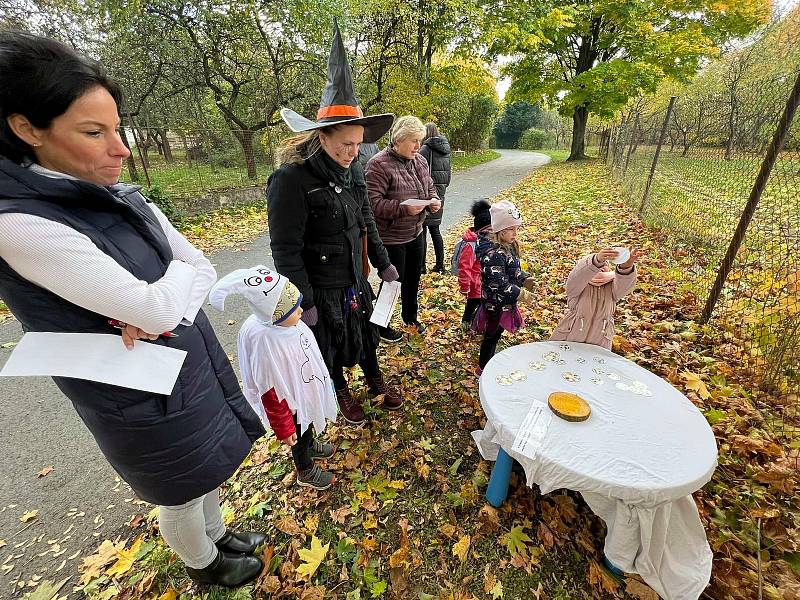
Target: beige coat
x=590 y=309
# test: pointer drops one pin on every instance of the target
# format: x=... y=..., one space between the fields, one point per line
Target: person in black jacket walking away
x=436 y=150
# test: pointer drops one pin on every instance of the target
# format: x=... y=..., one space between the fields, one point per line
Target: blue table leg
x=612 y=567
x=497 y=491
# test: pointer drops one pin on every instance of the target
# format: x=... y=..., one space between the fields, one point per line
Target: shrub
x=535 y=139
x=162 y=200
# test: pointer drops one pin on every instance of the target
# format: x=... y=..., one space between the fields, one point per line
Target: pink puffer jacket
x=590 y=309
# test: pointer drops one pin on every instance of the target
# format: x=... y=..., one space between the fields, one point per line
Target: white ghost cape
x=288 y=360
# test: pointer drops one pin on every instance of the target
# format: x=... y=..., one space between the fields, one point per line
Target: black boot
x=244 y=542
x=229 y=570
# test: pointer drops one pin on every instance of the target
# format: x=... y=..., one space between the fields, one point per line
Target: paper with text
x=387 y=300
x=532 y=431
x=96 y=357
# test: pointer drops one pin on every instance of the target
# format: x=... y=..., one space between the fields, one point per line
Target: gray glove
x=310 y=316
x=389 y=274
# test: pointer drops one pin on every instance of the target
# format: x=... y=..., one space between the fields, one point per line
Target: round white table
x=636 y=460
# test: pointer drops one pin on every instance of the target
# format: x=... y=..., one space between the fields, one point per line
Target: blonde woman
x=322 y=230
x=396 y=174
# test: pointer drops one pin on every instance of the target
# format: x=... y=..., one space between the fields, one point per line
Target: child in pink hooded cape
x=593 y=290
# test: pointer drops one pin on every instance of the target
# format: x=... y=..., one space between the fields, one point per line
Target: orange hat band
x=339 y=110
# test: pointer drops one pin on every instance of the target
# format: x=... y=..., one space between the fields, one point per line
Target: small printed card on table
x=387 y=300
x=531 y=432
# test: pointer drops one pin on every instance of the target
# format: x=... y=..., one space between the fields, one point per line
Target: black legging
x=489 y=346
x=407 y=259
x=470 y=309
x=301 y=450
x=438 y=245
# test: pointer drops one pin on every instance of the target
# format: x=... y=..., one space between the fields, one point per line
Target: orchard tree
x=593 y=56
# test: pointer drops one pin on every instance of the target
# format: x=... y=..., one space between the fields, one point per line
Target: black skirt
x=343 y=331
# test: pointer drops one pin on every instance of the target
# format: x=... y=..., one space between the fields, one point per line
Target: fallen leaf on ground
x=694 y=383
x=461 y=547
x=45 y=472
x=312 y=558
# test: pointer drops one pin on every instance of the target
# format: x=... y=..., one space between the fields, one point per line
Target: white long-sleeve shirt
x=67 y=263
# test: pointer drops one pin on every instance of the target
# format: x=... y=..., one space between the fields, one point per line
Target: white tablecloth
x=636 y=460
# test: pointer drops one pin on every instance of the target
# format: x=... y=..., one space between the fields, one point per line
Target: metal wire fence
x=187 y=163
x=720 y=174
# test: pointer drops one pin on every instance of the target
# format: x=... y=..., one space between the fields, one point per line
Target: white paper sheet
x=532 y=430
x=387 y=300
x=416 y=202
x=96 y=357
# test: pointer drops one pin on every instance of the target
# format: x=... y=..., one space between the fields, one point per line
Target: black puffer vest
x=170 y=449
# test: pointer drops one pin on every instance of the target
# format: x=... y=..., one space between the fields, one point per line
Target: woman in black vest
x=323 y=234
x=78 y=250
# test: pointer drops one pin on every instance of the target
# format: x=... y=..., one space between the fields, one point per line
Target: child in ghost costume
x=284 y=377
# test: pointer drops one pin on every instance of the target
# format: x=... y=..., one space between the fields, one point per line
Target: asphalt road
x=81 y=501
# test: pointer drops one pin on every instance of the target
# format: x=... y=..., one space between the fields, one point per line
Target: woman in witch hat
x=322 y=230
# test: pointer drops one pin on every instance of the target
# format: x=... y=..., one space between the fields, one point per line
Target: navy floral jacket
x=501 y=276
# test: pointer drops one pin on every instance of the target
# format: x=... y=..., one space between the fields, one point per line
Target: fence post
x=657 y=154
x=609 y=152
x=778 y=139
x=630 y=144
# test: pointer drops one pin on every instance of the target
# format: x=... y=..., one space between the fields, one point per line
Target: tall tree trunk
x=165 y=145
x=579 y=119
x=129 y=162
x=245 y=139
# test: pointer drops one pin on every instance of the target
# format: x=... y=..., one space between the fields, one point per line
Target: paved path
x=40 y=428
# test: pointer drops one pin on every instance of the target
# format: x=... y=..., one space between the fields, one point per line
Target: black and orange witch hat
x=339 y=103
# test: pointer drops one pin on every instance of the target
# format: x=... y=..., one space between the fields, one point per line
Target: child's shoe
x=321 y=450
x=315 y=478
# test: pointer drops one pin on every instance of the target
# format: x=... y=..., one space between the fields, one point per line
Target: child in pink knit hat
x=503 y=282
x=593 y=290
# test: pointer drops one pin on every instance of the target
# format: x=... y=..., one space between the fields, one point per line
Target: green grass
x=181 y=179
x=556 y=155
x=472 y=159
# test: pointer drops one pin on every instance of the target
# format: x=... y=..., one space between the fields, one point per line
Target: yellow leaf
x=312 y=558
x=311 y=523
x=461 y=547
x=370 y=544
x=125 y=559
x=170 y=594
x=694 y=383
x=497 y=591
x=92 y=566
x=371 y=522
x=28 y=516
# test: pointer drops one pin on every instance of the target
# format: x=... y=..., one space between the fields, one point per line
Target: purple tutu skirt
x=486 y=321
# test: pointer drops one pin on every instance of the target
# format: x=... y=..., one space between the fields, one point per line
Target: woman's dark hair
x=40 y=78
x=431 y=130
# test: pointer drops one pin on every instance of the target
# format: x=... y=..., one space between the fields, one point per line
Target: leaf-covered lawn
x=407 y=517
